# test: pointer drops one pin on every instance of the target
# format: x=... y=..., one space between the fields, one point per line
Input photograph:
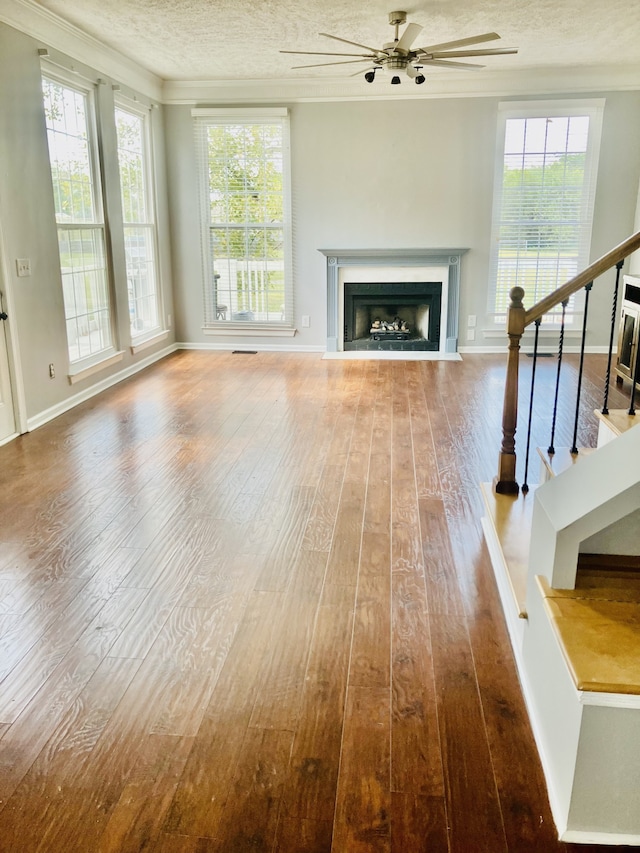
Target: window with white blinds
x=243 y=158
x=138 y=214
x=544 y=198
x=71 y=136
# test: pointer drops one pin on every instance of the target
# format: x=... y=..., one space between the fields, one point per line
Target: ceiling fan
x=398 y=56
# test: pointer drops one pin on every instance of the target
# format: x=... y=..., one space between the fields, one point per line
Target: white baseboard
x=572 y=836
x=64 y=406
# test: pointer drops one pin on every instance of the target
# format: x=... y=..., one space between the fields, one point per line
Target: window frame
x=144 y=113
x=594 y=109
x=88 y=89
x=203 y=118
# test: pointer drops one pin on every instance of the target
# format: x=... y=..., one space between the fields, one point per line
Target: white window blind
x=138 y=213
x=79 y=216
x=544 y=197
x=243 y=159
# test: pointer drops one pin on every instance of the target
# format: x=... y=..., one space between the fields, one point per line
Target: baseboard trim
x=60 y=408
x=572 y=836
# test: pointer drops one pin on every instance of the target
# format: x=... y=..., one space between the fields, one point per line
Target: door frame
x=11 y=336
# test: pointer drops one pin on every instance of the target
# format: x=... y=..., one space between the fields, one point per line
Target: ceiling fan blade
x=409 y=36
x=327 y=53
x=373 y=50
x=496 y=51
x=445 y=64
x=446 y=45
x=326 y=64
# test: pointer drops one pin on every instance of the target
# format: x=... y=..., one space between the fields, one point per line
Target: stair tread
x=598 y=629
x=562 y=459
x=618 y=420
x=510 y=516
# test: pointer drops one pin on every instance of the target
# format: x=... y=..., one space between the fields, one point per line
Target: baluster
x=636 y=379
x=587 y=291
x=525 y=485
x=614 y=310
x=551 y=449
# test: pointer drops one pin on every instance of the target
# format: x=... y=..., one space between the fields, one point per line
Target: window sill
x=145 y=343
x=80 y=373
x=254 y=330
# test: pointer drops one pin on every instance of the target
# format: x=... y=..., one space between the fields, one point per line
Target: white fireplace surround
x=388 y=266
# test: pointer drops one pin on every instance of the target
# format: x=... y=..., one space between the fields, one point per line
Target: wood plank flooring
x=245 y=605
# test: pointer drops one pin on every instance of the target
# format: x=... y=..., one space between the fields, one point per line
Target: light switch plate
x=23 y=266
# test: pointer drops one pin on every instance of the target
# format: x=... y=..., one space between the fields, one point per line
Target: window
x=138 y=214
x=244 y=175
x=543 y=204
x=79 y=217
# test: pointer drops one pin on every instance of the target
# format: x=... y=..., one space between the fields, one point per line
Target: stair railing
x=518 y=318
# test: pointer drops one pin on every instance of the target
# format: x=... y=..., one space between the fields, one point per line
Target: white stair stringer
x=588 y=741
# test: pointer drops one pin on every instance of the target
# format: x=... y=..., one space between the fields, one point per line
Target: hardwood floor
x=245 y=605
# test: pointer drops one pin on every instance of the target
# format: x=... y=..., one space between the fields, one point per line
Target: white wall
x=411 y=173
x=29 y=230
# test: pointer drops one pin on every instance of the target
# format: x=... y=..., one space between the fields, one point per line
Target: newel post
x=505 y=482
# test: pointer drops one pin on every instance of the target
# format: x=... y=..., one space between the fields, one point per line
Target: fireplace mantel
x=337 y=259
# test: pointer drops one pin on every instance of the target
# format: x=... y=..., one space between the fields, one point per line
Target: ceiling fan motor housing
x=397 y=18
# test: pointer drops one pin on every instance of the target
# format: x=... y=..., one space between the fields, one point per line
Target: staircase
x=566 y=557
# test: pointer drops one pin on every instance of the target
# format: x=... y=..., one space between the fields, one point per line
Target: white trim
x=612 y=838
x=391 y=355
x=45 y=26
x=70 y=402
x=548 y=81
x=148 y=342
x=79 y=375
x=609 y=700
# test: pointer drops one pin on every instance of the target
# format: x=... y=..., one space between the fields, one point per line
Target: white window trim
x=223 y=115
x=145 y=111
x=594 y=108
x=67 y=77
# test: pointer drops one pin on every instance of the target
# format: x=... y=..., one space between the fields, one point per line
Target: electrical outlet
x=306 y=321
x=23 y=266
x=471 y=334
x=52 y=371
x=471 y=321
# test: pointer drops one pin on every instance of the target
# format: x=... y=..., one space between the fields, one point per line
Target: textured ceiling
x=205 y=40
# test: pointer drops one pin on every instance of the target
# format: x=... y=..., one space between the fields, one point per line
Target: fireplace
x=418 y=286
x=402 y=316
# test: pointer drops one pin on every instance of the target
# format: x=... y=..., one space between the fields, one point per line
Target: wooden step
x=509 y=521
x=598 y=629
x=555 y=463
x=614 y=424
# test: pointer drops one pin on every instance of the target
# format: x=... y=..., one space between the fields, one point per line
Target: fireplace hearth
x=403 y=316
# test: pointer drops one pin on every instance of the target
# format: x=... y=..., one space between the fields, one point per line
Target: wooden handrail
x=621 y=251
x=517 y=320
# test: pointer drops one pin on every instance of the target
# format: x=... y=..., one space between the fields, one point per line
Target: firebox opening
x=400 y=316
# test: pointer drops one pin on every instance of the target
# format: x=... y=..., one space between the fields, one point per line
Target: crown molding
x=58 y=34
x=521 y=83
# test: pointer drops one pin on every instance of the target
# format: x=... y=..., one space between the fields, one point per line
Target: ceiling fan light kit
x=399 y=57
